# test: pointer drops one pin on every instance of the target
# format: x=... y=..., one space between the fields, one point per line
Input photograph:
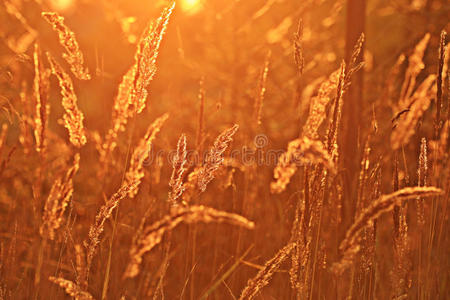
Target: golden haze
x=217 y=149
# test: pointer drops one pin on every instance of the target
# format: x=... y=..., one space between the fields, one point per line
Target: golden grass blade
x=153 y=234
x=3 y=133
x=317 y=110
x=200 y=177
x=57 y=201
x=226 y=274
x=122 y=112
x=420 y=101
x=262 y=89
x=80 y=259
x=71 y=288
x=73 y=117
x=302 y=151
x=191 y=184
x=441 y=58
x=99 y=225
x=422 y=175
x=301 y=237
x=415 y=66
x=344 y=79
x=214 y=158
x=200 y=134
x=25 y=125
x=74 y=56
x=40 y=88
x=176 y=180
x=350 y=246
x=132 y=92
x=298 y=48
x=148 y=49
x=141 y=153
x=353 y=66
x=263 y=277
x=21 y=44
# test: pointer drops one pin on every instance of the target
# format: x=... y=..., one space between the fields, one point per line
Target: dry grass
x=103 y=196
x=74 y=57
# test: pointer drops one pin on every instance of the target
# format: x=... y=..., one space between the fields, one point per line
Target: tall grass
x=104 y=196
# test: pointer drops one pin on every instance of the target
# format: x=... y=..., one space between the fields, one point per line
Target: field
x=224 y=149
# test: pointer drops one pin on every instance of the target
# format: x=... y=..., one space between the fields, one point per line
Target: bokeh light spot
x=61 y=5
x=191 y=6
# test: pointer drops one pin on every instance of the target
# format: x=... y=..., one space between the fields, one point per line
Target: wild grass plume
x=73 y=55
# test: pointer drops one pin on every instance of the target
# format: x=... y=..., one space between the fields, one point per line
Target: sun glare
x=191 y=6
x=61 y=5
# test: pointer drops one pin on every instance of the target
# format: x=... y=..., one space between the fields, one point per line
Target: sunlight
x=61 y=5
x=224 y=149
x=191 y=6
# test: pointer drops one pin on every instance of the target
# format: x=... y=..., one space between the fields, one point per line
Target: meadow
x=213 y=149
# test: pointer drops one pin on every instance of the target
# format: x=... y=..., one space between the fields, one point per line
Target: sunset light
x=224 y=149
x=61 y=5
x=191 y=6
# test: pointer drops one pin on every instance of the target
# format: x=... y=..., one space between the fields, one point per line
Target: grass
x=199 y=154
